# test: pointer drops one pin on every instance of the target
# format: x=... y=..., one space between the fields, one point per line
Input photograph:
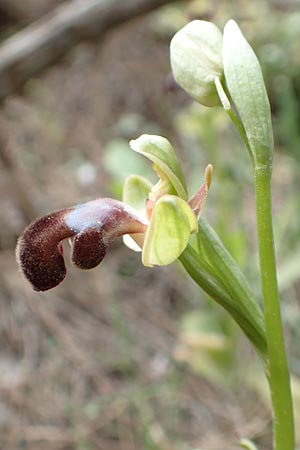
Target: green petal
x=171 y=224
x=246 y=86
x=159 y=150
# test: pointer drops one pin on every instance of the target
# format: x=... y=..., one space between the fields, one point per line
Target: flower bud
x=196 y=60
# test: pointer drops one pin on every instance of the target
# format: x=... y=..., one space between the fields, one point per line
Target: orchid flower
x=156 y=220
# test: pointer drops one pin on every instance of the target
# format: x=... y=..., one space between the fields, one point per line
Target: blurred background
x=125 y=357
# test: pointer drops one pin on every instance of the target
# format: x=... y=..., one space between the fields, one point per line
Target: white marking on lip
x=93 y=213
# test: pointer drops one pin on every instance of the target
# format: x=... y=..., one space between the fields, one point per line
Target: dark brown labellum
x=92 y=226
x=85 y=255
x=38 y=253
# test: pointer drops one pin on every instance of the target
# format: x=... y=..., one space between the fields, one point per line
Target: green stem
x=278 y=372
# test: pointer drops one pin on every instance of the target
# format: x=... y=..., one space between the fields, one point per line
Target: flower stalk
x=277 y=371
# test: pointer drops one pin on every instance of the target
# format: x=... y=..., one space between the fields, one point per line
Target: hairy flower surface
x=91 y=227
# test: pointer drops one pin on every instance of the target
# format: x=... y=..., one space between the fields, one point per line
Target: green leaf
x=159 y=150
x=247 y=89
x=232 y=278
x=172 y=222
x=205 y=276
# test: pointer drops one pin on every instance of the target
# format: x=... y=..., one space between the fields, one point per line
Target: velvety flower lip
x=91 y=226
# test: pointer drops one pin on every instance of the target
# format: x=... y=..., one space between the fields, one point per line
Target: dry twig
x=42 y=43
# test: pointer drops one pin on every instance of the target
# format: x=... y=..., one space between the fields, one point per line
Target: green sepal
x=172 y=222
x=159 y=150
x=245 y=83
x=135 y=191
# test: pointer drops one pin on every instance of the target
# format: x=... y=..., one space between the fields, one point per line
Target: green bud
x=159 y=150
x=247 y=89
x=196 y=60
x=172 y=222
